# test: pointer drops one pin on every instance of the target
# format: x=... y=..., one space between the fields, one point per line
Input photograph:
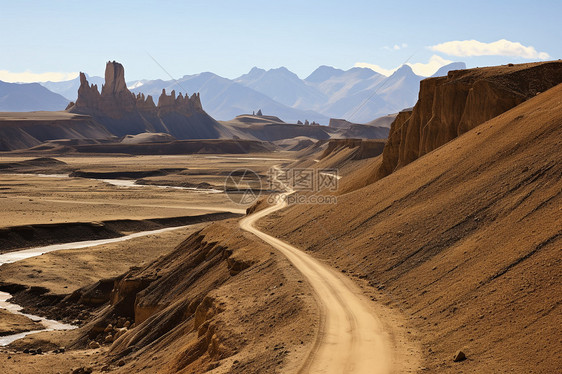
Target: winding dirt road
x=351 y=338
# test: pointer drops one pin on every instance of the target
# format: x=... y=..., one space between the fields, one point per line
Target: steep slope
x=358 y=149
x=465 y=239
x=449 y=106
x=23 y=97
x=219 y=302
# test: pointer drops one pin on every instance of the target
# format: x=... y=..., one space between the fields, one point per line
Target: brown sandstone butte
x=450 y=106
x=123 y=113
x=182 y=104
x=145 y=104
x=114 y=79
x=115 y=100
x=88 y=96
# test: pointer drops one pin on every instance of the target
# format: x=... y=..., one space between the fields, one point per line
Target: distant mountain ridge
x=358 y=95
x=25 y=97
x=225 y=99
x=122 y=112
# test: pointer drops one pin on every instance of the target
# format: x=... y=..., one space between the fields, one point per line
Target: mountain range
x=24 y=97
x=358 y=95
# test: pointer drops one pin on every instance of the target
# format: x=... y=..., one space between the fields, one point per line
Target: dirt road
x=351 y=338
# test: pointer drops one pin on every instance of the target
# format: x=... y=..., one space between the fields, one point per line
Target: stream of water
x=10 y=257
x=126 y=183
x=51 y=325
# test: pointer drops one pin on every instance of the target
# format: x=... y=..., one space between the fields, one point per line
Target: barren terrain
x=447 y=263
x=465 y=241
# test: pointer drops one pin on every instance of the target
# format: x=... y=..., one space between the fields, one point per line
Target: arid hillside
x=465 y=240
x=24 y=130
x=270 y=128
x=452 y=105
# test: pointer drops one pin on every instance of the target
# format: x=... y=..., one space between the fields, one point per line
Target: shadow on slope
x=466 y=239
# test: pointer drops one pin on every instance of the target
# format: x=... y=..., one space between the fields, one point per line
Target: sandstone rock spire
x=114 y=79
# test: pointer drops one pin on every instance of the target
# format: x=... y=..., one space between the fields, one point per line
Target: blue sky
x=55 y=39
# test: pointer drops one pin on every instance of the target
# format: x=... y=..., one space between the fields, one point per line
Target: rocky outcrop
x=369 y=148
x=145 y=105
x=450 y=106
x=390 y=153
x=115 y=99
x=124 y=113
x=362 y=148
x=182 y=104
x=88 y=97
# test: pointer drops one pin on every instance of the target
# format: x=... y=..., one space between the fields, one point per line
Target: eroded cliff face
x=362 y=148
x=450 y=106
x=123 y=113
x=115 y=100
x=218 y=299
x=183 y=104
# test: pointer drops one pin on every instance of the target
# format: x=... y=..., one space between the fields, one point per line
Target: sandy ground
x=48 y=362
x=32 y=199
x=38 y=116
x=345 y=331
x=351 y=337
x=11 y=323
x=465 y=241
x=29 y=199
x=81 y=267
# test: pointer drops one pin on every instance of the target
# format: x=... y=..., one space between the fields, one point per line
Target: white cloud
x=396 y=47
x=423 y=69
x=29 y=77
x=468 y=48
